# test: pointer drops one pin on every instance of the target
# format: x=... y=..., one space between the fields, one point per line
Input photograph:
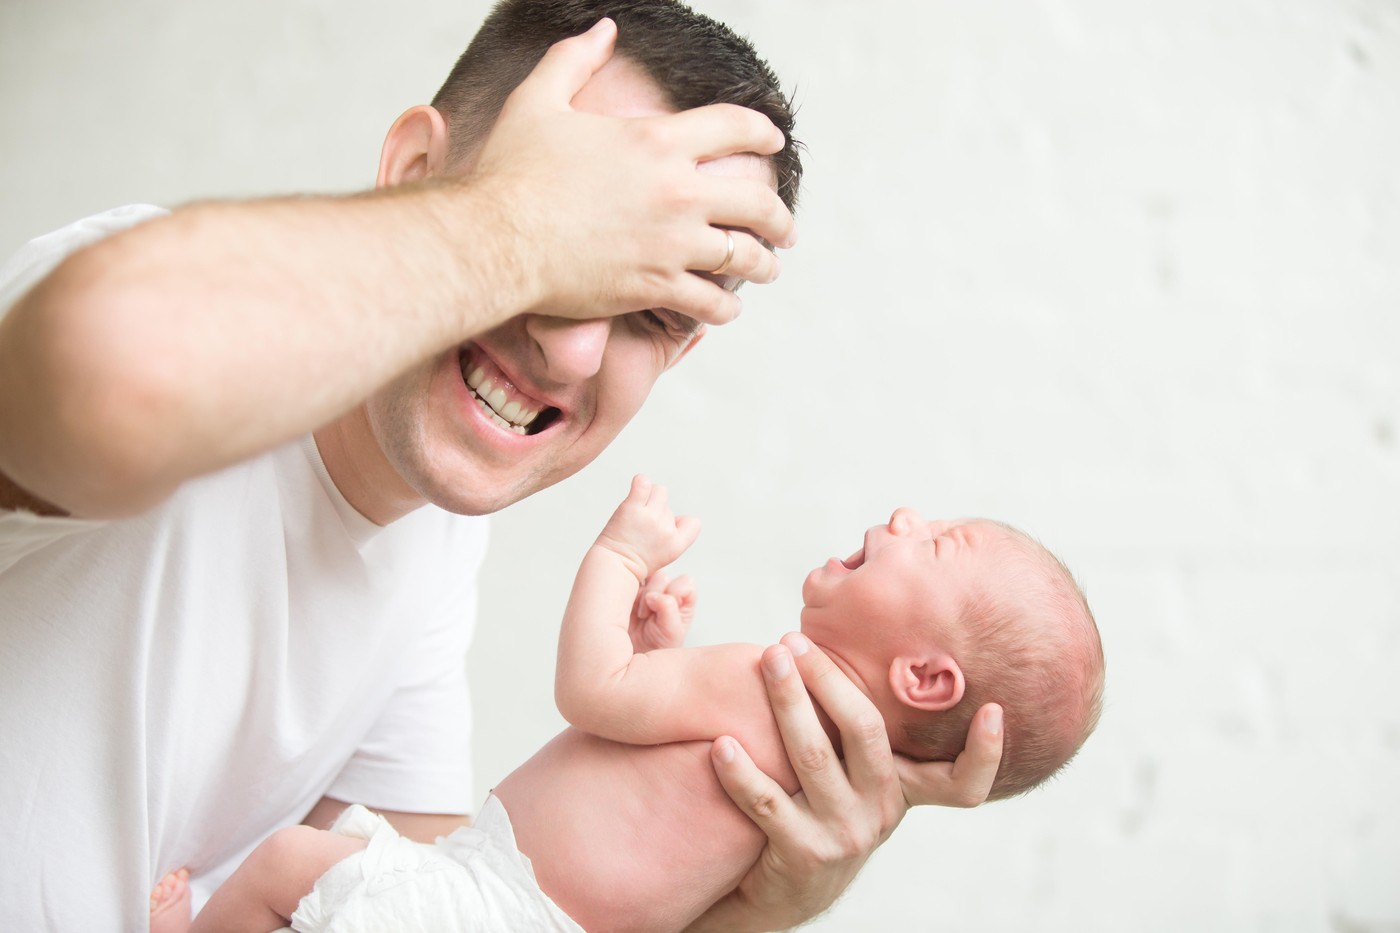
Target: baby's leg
x=265 y=890
x=170 y=903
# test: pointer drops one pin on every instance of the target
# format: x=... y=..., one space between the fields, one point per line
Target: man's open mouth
x=501 y=401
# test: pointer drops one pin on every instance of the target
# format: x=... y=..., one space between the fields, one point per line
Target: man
x=237 y=443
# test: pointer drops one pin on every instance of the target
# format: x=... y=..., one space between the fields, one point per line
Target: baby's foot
x=170 y=903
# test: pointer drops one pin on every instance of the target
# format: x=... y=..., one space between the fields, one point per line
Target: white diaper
x=472 y=880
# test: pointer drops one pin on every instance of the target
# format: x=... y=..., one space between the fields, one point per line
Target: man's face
x=536 y=399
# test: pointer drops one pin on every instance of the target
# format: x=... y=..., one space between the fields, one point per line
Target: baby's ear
x=933 y=681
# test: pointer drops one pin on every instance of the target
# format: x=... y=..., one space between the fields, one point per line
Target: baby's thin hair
x=1033 y=647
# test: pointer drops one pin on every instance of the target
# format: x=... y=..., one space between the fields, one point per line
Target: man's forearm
x=733 y=914
x=200 y=339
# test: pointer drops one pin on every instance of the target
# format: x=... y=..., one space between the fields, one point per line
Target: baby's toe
x=170 y=903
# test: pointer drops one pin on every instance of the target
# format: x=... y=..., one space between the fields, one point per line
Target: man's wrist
x=486 y=252
x=736 y=913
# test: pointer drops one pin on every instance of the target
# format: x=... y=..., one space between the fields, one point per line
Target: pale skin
x=197 y=341
x=606 y=845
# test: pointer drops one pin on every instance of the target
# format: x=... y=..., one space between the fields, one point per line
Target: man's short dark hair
x=694 y=60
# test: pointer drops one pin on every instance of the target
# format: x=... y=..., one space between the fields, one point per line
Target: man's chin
x=478 y=496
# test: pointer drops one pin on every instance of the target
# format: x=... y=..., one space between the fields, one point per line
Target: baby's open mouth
x=855 y=560
x=503 y=402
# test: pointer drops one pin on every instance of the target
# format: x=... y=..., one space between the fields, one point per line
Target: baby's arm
x=265 y=890
x=602 y=684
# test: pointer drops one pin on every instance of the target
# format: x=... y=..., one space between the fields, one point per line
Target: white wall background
x=1125 y=273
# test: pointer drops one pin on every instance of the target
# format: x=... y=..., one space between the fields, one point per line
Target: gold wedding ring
x=728 y=254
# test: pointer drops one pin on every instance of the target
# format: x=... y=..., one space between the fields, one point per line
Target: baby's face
x=909 y=569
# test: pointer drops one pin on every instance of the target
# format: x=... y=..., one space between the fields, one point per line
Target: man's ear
x=933 y=681
x=689 y=346
x=416 y=147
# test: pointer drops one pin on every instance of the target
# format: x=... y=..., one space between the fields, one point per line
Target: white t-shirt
x=176 y=685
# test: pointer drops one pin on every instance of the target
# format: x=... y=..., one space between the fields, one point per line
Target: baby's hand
x=662 y=613
x=644 y=533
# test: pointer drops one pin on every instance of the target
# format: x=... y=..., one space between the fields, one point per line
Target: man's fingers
x=728 y=143
x=750 y=262
x=567 y=66
x=743 y=203
x=809 y=749
x=725 y=129
x=818 y=839
x=733 y=195
x=966 y=781
x=865 y=743
x=703 y=300
x=975 y=768
x=758 y=795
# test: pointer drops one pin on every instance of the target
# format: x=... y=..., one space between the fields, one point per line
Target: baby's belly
x=628 y=837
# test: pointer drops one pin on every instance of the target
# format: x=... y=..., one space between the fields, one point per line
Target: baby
x=620 y=823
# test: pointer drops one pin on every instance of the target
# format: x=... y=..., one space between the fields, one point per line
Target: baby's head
x=935 y=619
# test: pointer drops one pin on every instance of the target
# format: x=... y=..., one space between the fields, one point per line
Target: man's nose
x=572 y=350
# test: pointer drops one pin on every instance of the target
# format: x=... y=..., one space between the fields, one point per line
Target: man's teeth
x=510 y=415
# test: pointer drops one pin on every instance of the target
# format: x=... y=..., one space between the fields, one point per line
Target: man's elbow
x=83 y=413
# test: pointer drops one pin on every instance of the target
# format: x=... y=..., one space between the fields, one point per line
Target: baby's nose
x=905 y=520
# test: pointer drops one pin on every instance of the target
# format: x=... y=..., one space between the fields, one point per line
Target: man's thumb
x=569 y=63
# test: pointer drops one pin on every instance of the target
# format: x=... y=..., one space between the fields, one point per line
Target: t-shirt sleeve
x=40 y=256
x=417 y=756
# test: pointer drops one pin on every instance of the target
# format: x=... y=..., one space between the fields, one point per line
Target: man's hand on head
x=588 y=139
